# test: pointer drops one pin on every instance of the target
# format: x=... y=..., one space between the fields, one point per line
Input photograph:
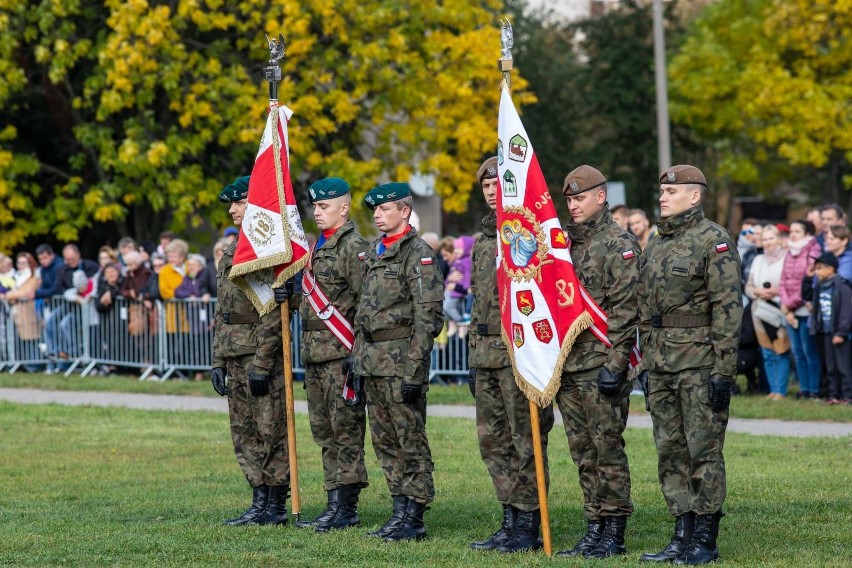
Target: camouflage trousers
x=258 y=426
x=689 y=438
x=338 y=429
x=398 y=432
x=505 y=437
x=594 y=424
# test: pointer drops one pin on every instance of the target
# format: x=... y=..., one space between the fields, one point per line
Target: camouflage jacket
x=260 y=336
x=606 y=259
x=486 y=350
x=690 y=269
x=399 y=310
x=337 y=270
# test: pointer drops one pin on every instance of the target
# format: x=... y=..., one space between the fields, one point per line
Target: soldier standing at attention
x=331 y=283
x=594 y=397
x=691 y=310
x=399 y=314
x=502 y=411
x=247 y=349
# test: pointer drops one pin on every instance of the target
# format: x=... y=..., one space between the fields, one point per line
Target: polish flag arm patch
x=628 y=254
x=721 y=247
x=426 y=260
x=362 y=255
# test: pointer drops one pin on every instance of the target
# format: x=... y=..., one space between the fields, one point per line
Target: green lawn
x=741 y=406
x=108 y=486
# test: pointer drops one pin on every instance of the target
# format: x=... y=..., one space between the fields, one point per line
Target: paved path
x=172 y=402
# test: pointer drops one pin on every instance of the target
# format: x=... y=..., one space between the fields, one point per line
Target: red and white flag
x=540 y=302
x=272 y=246
x=600 y=329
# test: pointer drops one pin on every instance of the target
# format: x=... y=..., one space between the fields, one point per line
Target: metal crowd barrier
x=172 y=338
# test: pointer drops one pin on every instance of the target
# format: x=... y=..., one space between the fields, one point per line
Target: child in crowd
x=831 y=323
x=458 y=284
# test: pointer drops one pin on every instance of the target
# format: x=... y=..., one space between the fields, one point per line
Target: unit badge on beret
x=518 y=148
x=574 y=186
x=313 y=194
x=332 y=193
x=491 y=171
x=369 y=199
x=671 y=177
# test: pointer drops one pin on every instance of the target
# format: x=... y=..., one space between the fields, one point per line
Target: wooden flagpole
x=507 y=41
x=290 y=405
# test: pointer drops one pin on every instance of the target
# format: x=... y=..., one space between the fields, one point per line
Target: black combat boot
x=702 y=547
x=276 y=507
x=684 y=525
x=411 y=527
x=502 y=534
x=326 y=515
x=588 y=542
x=346 y=513
x=612 y=539
x=399 y=504
x=259 y=496
x=524 y=536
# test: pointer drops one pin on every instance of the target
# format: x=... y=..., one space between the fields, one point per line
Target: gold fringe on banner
x=544 y=398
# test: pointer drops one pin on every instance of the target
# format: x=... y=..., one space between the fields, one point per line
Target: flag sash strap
x=327 y=312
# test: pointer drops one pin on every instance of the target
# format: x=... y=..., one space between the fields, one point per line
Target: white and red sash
x=326 y=311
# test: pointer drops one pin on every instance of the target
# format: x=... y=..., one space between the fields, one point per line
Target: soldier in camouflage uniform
x=247 y=349
x=691 y=310
x=502 y=411
x=594 y=397
x=338 y=426
x=399 y=314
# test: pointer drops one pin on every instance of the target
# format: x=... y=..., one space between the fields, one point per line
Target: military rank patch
x=426 y=260
x=362 y=255
x=721 y=247
x=628 y=254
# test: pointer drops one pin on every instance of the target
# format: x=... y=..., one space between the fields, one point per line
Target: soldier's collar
x=489 y=224
x=580 y=232
x=678 y=223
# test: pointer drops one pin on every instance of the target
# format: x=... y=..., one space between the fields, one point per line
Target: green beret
x=327 y=188
x=236 y=191
x=386 y=192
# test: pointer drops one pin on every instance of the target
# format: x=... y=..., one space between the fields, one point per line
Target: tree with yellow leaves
x=135 y=111
x=771 y=81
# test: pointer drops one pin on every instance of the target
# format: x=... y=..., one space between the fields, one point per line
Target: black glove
x=217 y=378
x=348 y=366
x=610 y=383
x=258 y=384
x=355 y=384
x=643 y=381
x=471 y=381
x=411 y=392
x=719 y=390
x=283 y=293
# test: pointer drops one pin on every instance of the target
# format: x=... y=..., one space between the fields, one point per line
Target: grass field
x=108 y=486
x=741 y=406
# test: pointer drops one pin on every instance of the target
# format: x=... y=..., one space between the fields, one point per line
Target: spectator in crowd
x=434 y=242
x=141 y=287
x=165 y=238
x=230 y=234
x=830 y=215
x=447 y=250
x=80 y=292
x=7 y=273
x=106 y=256
x=457 y=285
x=749 y=355
x=621 y=216
x=170 y=278
x=802 y=251
x=136 y=281
x=50 y=265
x=194 y=284
x=74 y=262
x=21 y=297
x=769 y=321
x=125 y=245
x=814 y=217
x=146 y=249
x=640 y=226
x=748 y=245
x=109 y=287
x=213 y=265
x=837 y=243
x=831 y=324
